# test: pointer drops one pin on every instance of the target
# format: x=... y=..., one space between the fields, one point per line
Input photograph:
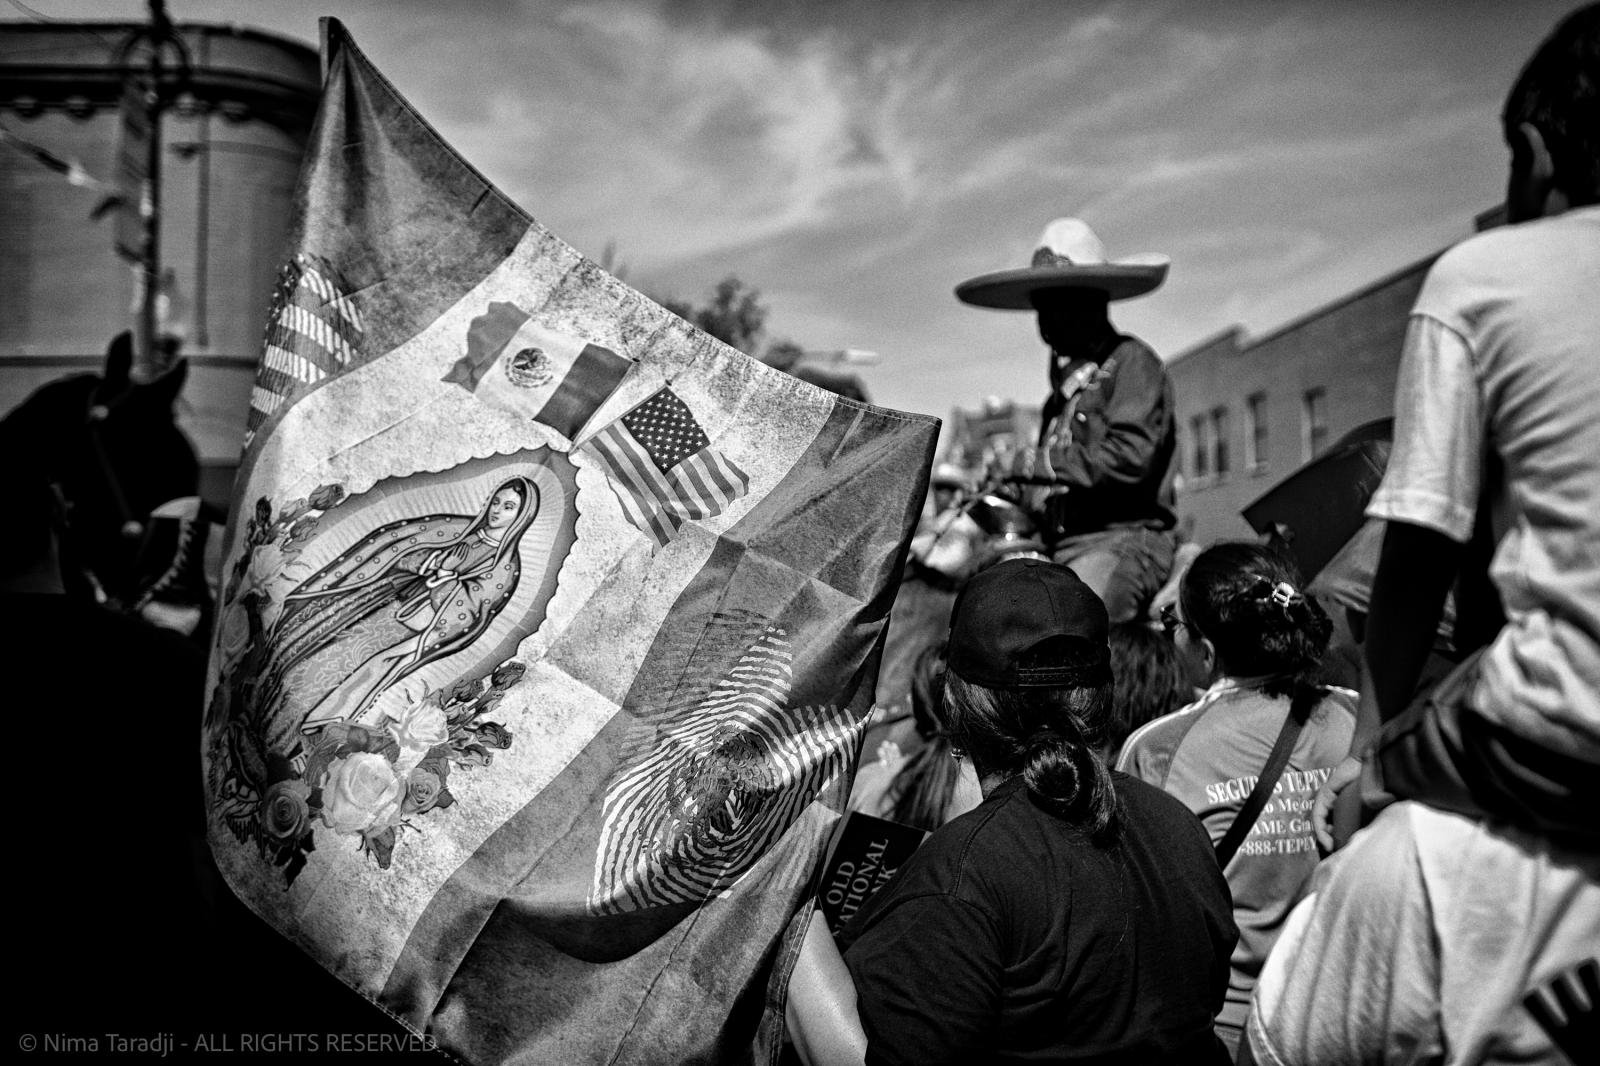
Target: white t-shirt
x=1502 y=356
x=1419 y=941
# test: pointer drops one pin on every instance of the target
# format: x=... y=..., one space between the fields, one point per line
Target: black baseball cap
x=1028 y=623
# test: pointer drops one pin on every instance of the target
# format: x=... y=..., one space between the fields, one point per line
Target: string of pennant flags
x=114 y=197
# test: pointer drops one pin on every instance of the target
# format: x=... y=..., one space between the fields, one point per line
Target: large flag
x=549 y=628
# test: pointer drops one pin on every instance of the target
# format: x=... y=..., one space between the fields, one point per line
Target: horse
x=112 y=447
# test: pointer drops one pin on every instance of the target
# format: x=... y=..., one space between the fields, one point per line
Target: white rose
x=417 y=729
x=269 y=566
x=361 y=791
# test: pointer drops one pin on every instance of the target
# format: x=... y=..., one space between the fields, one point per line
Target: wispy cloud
x=855 y=159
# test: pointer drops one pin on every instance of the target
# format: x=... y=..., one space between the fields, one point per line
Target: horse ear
x=119 y=361
x=165 y=389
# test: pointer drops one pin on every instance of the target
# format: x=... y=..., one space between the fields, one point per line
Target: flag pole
x=147 y=365
x=148 y=362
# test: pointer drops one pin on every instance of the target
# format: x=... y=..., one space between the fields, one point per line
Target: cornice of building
x=1242 y=343
x=77 y=68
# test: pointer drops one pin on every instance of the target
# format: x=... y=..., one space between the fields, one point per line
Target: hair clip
x=1286 y=595
x=1282 y=594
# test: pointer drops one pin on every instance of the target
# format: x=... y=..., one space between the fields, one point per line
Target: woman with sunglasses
x=1247 y=631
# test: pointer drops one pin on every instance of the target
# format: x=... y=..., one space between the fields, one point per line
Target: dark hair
x=517 y=485
x=1148 y=680
x=1231 y=596
x=1246 y=599
x=1049 y=735
x=1558 y=93
x=920 y=793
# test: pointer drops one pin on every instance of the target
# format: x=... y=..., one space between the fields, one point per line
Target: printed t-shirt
x=1209 y=755
x=1010 y=937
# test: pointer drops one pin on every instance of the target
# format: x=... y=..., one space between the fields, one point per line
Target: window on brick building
x=1255 y=432
x=1199 y=449
x=1219 y=441
x=1313 y=423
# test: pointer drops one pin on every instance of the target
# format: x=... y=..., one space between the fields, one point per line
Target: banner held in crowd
x=550 y=624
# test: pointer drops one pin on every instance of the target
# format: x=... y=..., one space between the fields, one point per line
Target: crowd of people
x=1291 y=862
x=1172 y=816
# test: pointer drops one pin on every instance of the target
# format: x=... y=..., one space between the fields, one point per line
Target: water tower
x=231 y=145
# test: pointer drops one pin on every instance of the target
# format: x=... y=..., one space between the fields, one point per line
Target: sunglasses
x=1170 y=622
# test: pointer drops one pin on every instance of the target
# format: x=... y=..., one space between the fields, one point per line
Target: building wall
x=1350 y=350
x=232 y=150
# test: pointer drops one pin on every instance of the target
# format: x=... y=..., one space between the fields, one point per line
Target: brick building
x=1252 y=410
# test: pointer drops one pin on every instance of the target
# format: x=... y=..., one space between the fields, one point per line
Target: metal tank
x=231 y=147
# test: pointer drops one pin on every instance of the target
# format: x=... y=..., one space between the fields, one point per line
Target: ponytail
x=1050 y=737
x=1072 y=781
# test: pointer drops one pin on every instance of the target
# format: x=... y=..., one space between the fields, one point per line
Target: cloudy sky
x=855 y=159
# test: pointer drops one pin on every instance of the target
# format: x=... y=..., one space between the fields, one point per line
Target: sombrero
x=1069 y=256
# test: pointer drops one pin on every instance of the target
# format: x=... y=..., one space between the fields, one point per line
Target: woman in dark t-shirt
x=1076 y=915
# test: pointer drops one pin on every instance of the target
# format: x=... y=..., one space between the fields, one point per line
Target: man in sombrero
x=1100 y=479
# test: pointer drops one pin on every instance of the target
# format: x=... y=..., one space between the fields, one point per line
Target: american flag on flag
x=313 y=331
x=663 y=468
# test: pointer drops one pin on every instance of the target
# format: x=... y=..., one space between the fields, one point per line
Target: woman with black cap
x=1076 y=915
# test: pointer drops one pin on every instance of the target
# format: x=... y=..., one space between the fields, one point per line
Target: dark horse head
x=112 y=447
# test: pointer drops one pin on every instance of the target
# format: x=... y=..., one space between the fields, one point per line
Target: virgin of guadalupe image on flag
x=550 y=624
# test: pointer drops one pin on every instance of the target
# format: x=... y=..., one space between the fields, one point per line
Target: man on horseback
x=1099 y=481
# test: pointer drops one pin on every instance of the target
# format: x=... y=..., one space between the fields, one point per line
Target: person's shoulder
x=970 y=861
x=1388 y=851
x=1515 y=252
x=1132 y=351
x=973 y=852
x=1339 y=699
x=940 y=862
x=1156 y=813
x=1147 y=800
x=1164 y=734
